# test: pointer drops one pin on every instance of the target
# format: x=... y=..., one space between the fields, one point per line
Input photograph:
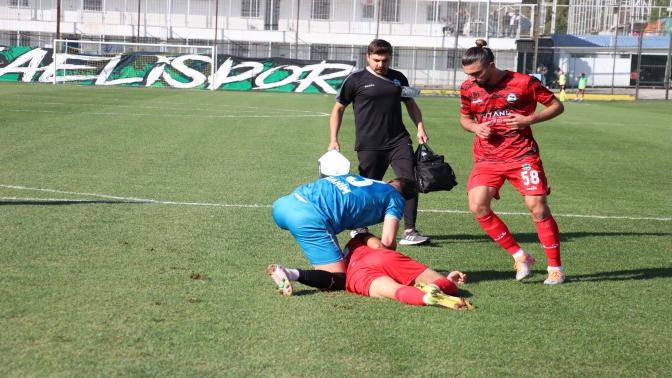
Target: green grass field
x=135 y=226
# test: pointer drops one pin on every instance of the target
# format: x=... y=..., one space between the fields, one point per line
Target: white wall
x=598 y=70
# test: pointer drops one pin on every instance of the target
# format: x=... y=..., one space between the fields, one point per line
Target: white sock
x=518 y=254
x=292 y=274
x=555 y=268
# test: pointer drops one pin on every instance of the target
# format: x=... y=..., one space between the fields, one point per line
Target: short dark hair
x=479 y=53
x=379 y=47
x=407 y=187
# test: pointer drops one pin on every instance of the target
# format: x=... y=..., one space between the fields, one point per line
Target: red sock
x=549 y=236
x=410 y=295
x=498 y=232
x=446 y=285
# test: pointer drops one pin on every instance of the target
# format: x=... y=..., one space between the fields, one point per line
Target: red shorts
x=368 y=264
x=526 y=175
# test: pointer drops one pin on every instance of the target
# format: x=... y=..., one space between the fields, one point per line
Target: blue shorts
x=315 y=238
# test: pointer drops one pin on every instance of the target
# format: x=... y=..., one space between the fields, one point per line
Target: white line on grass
x=128 y=199
x=152 y=201
x=175 y=115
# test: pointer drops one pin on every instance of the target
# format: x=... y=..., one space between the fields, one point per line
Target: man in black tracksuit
x=381 y=139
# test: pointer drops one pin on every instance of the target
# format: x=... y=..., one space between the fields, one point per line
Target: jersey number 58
x=530 y=177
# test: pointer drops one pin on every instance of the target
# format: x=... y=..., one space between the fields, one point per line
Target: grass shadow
x=625 y=275
x=306 y=291
x=534 y=238
x=617 y=275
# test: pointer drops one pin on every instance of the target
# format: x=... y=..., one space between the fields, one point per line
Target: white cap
x=333 y=163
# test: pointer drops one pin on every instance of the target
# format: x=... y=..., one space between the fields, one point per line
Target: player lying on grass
x=378 y=272
x=315 y=213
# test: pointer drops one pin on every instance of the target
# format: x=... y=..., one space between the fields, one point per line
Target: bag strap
x=428 y=149
x=371 y=71
x=418 y=151
x=420 y=146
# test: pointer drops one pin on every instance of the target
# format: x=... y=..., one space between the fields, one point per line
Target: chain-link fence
x=429 y=36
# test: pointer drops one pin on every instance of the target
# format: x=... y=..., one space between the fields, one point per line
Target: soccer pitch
x=136 y=224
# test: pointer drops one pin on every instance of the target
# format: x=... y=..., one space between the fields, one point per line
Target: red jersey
x=516 y=93
x=354 y=248
x=365 y=265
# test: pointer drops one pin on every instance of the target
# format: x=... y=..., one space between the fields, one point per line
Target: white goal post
x=133 y=64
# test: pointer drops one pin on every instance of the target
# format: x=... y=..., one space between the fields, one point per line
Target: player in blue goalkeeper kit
x=315 y=213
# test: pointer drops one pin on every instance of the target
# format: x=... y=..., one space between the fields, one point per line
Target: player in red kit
x=498 y=106
x=378 y=272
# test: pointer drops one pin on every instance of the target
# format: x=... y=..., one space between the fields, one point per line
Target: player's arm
x=481 y=130
x=553 y=109
x=389 y=236
x=334 y=125
x=416 y=116
x=372 y=241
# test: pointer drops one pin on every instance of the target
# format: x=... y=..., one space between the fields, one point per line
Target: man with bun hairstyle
x=499 y=107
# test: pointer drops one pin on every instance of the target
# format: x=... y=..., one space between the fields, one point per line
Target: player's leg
x=401 y=269
x=549 y=236
x=319 y=279
x=432 y=277
x=387 y=287
x=372 y=164
x=483 y=185
x=407 y=271
x=530 y=180
x=401 y=159
x=317 y=242
x=383 y=273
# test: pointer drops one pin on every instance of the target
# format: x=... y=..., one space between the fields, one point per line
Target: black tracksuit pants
x=374 y=163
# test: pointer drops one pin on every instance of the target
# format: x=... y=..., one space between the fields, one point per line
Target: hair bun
x=481 y=43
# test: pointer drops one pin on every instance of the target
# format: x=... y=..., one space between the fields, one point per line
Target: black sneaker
x=413 y=237
x=357 y=231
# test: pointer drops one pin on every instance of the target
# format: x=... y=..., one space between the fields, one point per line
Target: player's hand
x=334 y=146
x=517 y=122
x=457 y=277
x=482 y=130
x=422 y=136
